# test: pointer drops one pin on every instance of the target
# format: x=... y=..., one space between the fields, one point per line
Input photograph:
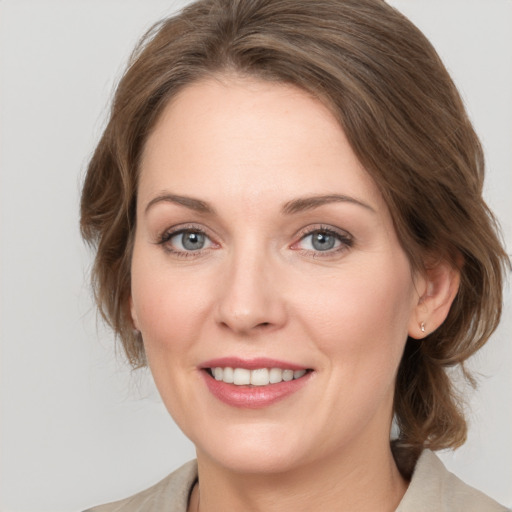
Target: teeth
x=228 y=375
x=275 y=375
x=241 y=376
x=287 y=375
x=258 y=377
x=297 y=374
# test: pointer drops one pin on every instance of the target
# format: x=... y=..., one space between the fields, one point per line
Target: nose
x=251 y=295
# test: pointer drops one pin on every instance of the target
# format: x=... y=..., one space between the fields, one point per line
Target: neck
x=350 y=484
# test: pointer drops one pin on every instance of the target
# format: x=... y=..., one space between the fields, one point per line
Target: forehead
x=237 y=136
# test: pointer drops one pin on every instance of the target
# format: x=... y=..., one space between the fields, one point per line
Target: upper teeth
x=258 y=377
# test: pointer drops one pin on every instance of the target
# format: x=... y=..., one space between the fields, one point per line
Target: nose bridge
x=250 y=296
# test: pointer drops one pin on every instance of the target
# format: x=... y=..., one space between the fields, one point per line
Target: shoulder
x=434 y=488
x=170 y=494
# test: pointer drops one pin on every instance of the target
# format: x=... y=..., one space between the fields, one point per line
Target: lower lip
x=253 y=397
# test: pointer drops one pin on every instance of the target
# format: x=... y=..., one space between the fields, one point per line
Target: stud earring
x=422 y=326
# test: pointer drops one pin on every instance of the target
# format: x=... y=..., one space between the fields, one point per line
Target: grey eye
x=189 y=241
x=322 y=241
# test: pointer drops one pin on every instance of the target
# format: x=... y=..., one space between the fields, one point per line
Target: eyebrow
x=308 y=203
x=291 y=207
x=188 y=202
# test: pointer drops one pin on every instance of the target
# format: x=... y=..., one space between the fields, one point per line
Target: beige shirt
x=432 y=489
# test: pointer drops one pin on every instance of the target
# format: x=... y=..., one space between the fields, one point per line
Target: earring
x=422 y=326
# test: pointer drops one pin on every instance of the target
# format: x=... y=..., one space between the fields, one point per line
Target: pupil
x=323 y=241
x=192 y=241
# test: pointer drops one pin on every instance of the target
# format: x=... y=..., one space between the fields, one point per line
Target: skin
x=259 y=288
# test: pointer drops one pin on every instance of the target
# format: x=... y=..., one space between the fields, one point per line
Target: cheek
x=363 y=312
x=170 y=311
x=169 y=307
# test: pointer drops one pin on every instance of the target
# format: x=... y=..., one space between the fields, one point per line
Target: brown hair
x=405 y=121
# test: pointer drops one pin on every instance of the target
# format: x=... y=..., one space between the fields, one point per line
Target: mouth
x=255 y=383
x=255 y=377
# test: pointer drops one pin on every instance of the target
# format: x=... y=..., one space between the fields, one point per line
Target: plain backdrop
x=78 y=428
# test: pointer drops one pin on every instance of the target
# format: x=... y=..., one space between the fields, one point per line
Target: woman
x=286 y=205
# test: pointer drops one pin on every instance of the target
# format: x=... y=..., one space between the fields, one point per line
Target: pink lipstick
x=254 y=383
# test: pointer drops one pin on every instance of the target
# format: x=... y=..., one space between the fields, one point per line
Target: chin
x=253 y=461
x=264 y=450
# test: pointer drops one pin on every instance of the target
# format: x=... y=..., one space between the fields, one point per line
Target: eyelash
x=166 y=236
x=344 y=238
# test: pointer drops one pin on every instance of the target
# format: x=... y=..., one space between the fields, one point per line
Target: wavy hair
x=405 y=121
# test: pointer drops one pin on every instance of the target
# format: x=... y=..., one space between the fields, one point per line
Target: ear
x=437 y=288
x=133 y=314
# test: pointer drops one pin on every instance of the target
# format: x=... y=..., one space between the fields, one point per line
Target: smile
x=256 y=377
x=255 y=383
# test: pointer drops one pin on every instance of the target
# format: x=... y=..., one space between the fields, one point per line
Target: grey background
x=77 y=428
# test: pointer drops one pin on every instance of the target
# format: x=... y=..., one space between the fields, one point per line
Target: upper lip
x=251 y=364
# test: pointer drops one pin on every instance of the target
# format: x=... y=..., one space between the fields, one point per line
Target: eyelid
x=346 y=239
x=307 y=230
x=167 y=234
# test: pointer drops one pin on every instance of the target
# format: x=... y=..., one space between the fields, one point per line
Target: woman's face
x=262 y=244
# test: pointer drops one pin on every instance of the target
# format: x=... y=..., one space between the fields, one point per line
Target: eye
x=320 y=241
x=185 y=241
x=324 y=240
